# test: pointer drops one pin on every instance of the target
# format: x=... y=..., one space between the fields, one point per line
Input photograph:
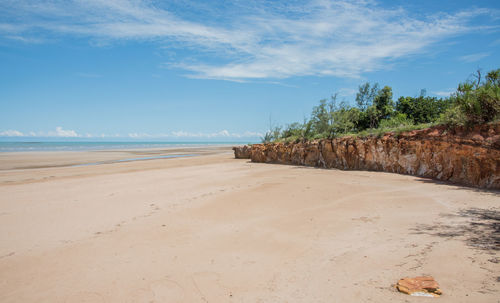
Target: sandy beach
x=211 y=228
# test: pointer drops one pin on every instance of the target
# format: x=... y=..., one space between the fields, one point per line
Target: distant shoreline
x=79 y=158
x=45 y=146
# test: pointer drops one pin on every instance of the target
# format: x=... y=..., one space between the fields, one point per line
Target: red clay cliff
x=461 y=155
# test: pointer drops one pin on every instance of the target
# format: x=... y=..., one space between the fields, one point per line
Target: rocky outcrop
x=424 y=286
x=463 y=156
x=242 y=152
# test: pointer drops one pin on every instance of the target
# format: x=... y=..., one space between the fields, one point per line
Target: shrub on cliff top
x=397 y=121
x=474 y=102
x=478 y=101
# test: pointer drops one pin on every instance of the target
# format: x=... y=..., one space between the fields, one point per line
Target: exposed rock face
x=419 y=286
x=464 y=156
x=242 y=152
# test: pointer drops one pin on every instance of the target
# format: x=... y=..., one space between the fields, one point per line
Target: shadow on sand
x=479 y=228
x=494 y=192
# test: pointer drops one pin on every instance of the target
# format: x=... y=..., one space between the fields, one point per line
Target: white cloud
x=60 y=132
x=474 y=57
x=139 y=135
x=28 y=40
x=224 y=133
x=253 y=40
x=11 y=133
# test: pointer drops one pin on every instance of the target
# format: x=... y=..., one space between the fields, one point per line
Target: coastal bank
x=461 y=155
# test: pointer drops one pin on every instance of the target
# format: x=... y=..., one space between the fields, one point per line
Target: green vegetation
x=474 y=102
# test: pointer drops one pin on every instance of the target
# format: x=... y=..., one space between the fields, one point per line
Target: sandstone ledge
x=464 y=156
x=242 y=152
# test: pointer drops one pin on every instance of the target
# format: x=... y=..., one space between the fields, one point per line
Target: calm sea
x=83 y=146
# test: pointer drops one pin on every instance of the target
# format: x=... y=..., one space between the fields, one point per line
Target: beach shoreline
x=218 y=229
x=48 y=159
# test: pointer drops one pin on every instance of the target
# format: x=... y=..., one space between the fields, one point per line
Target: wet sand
x=211 y=228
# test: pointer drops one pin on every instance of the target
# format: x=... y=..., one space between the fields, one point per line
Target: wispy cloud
x=11 y=133
x=29 y=40
x=58 y=132
x=474 y=57
x=253 y=40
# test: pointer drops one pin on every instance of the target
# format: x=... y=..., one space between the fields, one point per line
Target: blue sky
x=219 y=70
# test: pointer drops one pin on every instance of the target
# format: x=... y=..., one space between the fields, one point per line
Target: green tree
x=321 y=118
x=374 y=104
x=345 y=119
x=382 y=108
x=371 y=116
x=366 y=94
x=383 y=102
x=422 y=109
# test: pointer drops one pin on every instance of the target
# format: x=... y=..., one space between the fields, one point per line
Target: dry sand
x=215 y=229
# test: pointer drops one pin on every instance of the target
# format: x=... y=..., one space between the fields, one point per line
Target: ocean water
x=86 y=146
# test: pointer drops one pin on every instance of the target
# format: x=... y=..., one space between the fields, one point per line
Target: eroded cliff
x=242 y=152
x=463 y=156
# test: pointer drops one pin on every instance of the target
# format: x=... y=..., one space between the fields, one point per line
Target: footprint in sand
x=209 y=287
x=8 y=255
x=366 y=219
x=163 y=290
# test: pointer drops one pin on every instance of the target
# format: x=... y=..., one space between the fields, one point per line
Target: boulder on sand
x=424 y=286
